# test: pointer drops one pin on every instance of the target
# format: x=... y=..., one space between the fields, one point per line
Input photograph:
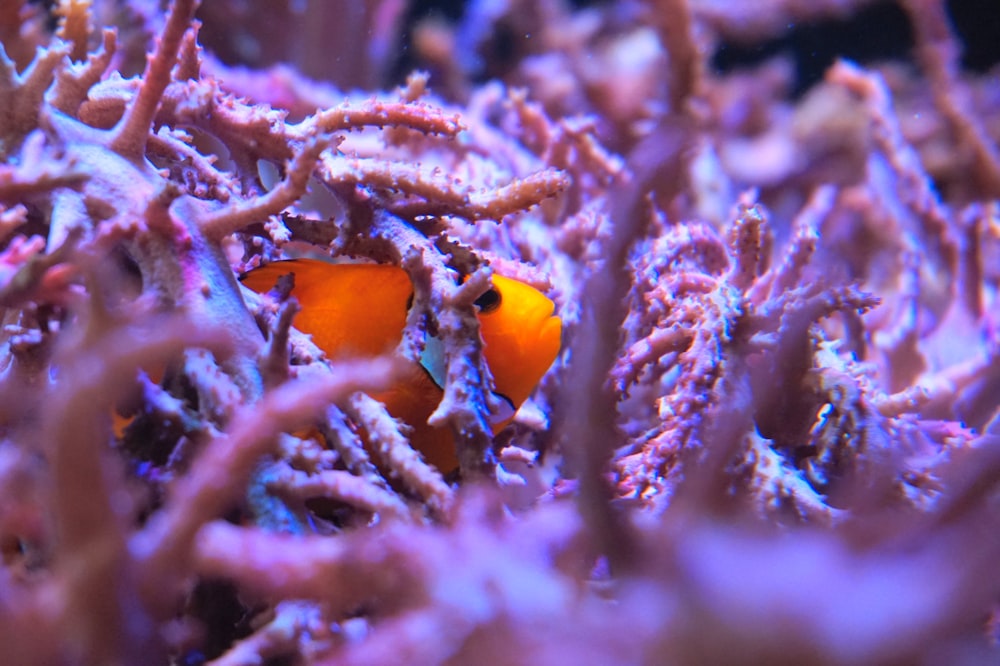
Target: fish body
x=359 y=311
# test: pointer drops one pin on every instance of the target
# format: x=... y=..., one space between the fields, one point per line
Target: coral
x=772 y=435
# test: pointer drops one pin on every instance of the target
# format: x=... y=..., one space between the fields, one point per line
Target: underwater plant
x=711 y=367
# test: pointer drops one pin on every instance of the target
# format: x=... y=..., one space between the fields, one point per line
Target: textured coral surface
x=772 y=435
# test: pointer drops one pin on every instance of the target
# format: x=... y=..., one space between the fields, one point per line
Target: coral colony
x=772 y=431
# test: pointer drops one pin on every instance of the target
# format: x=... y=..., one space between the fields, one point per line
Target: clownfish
x=359 y=311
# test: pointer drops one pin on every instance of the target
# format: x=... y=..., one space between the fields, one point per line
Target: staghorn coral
x=770 y=438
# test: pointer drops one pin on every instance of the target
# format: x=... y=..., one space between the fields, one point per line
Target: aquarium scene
x=499 y=332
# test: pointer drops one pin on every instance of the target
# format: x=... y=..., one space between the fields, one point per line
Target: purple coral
x=772 y=435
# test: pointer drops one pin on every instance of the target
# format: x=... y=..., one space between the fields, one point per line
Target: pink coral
x=770 y=438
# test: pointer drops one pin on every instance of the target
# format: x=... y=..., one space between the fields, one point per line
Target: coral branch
x=747 y=245
x=396 y=454
x=413 y=115
x=38 y=173
x=592 y=432
x=442 y=194
x=674 y=21
x=73 y=83
x=912 y=184
x=21 y=95
x=234 y=218
x=803 y=245
x=938 y=52
x=85 y=487
x=342 y=487
x=215 y=482
x=75 y=26
x=132 y=131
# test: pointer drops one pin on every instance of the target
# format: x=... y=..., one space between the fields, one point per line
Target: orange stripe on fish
x=359 y=310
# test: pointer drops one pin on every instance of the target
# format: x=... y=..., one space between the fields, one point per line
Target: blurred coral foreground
x=772 y=435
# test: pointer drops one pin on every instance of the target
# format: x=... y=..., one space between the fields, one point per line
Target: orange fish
x=359 y=310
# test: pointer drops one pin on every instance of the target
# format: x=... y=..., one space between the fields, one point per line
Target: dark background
x=879 y=32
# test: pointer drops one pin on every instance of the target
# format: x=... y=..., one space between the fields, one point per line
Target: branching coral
x=773 y=424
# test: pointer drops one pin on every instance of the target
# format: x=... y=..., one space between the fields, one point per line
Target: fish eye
x=489 y=301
